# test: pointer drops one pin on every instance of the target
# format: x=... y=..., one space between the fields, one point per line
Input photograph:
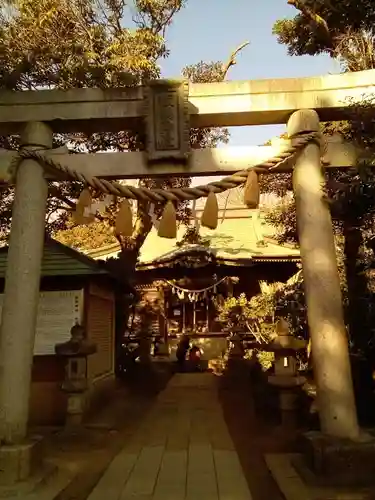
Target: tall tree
x=344 y=30
x=81 y=236
x=79 y=43
x=87 y=43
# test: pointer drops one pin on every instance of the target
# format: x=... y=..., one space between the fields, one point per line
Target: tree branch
x=313 y=16
x=141 y=229
x=54 y=190
x=232 y=59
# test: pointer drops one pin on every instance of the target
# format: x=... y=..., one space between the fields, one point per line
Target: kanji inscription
x=167 y=121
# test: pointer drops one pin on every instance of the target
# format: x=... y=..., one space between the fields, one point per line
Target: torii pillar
x=329 y=342
x=19 y=314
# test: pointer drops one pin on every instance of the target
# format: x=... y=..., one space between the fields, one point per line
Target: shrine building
x=185 y=278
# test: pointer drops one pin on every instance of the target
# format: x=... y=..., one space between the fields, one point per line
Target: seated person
x=195 y=357
x=182 y=349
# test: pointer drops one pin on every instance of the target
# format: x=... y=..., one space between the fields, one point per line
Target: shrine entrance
x=193 y=310
x=168 y=110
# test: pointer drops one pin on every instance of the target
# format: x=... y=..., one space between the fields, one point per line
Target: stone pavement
x=182 y=450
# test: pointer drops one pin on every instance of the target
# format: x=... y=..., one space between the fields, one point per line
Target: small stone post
x=329 y=341
x=22 y=280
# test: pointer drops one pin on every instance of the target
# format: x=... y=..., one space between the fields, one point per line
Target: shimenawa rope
x=172 y=194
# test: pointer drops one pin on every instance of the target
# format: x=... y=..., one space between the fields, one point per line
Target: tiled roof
x=60 y=260
x=233 y=240
x=236 y=238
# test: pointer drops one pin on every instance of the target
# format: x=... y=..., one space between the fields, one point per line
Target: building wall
x=100 y=328
x=48 y=403
x=100 y=324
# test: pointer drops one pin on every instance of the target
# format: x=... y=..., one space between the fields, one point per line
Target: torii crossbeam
x=226 y=104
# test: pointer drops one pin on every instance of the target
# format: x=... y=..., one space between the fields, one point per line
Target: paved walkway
x=181 y=451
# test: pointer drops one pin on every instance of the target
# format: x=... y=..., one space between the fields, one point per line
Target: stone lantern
x=234 y=342
x=235 y=365
x=237 y=350
x=285 y=376
x=75 y=353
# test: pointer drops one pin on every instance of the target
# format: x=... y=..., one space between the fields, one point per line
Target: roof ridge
x=111 y=246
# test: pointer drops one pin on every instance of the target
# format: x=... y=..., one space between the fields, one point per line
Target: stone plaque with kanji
x=167 y=121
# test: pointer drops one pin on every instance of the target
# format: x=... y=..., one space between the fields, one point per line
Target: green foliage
x=351 y=192
x=257 y=315
x=192 y=237
x=96 y=235
x=203 y=72
x=234 y=311
x=336 y=28
x=289 y=302
x=279 y=184
x=81 y=43
x=67 y=44
x=282 y=217
x=344 y=30
x=264 y=358
x=263 y=311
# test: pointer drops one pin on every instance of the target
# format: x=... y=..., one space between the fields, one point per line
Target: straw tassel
x=168 y=223
x=84 y=202
x=251 y=192
x=211 y=212
x=85 y=198
x=80 y=217
x=124 y=219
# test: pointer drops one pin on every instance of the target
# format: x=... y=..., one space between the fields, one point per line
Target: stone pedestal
x=235 y=369
x=339 y=462
x=288 y=404
x=75 y=409
x=145 y=349
x=20 y=461
x=163 y=349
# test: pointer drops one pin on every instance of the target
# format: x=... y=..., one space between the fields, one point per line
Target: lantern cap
x=77 y=345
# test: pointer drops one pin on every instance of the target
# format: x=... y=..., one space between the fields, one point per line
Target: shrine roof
x=61 y=260
x=242 y=237
x=235 y=242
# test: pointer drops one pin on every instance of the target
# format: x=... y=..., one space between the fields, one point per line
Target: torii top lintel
x=230 y=103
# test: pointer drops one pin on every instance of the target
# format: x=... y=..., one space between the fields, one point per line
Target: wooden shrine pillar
x=329 y=342
x=184 y=316
x=21 y=294
x=194 y=316
x=163 y=330
x=207 y=299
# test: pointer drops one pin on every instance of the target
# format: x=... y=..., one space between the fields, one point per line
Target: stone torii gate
x=169 y=109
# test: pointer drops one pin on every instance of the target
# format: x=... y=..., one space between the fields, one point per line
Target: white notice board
x=57 y=313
